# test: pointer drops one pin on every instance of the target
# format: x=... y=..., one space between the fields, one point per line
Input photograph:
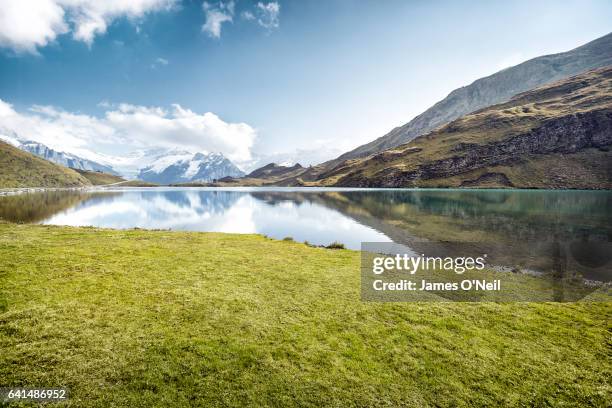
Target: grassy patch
x=98 y=178
x=138 y=183
x=159 y=318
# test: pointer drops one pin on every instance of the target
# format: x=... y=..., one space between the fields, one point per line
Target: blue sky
x=309 y=79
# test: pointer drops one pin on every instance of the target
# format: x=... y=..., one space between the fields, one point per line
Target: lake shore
x=149 y=318
x=23 y=190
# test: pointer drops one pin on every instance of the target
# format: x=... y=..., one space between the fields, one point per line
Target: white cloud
x=216 y=15
x=126 y=127
x=247 y=15
x=264 y=14
x=159 y=62
x=268 y=14
x=23 y=26
x=185 y=128
x=27 y=25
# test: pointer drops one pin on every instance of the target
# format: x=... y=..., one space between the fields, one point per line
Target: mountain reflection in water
x=321 y=216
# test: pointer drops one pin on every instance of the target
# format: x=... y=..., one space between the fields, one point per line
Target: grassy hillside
x=203 y=319
x=556 y=136
x=98 y=178
x=138 y=183
x=22 y=169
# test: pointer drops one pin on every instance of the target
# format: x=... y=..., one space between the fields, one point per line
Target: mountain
x=274 y=170
x=494 y=89
x=23 y=169
x=61 y=158
x=555 y=136
x=271 y=174
x=129 y=166
x=184 y=167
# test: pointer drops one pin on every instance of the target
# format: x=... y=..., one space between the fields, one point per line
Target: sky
x=297 y=81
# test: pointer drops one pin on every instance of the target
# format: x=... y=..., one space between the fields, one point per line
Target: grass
x=157 y=318
x=23 y=169
x=98 y=178
x=138 y=183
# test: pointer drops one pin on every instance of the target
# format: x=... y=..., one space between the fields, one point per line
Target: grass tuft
x=336 y=245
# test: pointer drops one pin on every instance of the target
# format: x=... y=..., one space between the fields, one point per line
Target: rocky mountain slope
x=555 y=136
x=186 y=167
x=274 y=170
x=23 y=169
x=494 y=89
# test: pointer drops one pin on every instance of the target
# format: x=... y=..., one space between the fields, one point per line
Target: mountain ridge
x=273 y=170
x=555 y=136
x=493 y=89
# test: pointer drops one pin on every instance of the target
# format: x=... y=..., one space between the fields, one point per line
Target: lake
x=322 y=215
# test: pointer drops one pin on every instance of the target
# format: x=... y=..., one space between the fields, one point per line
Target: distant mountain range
x=185 y=167
x=61 y=158
x=157 y=165
x=491 y=90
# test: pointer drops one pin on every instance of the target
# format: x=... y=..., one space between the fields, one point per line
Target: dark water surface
x=322 y=216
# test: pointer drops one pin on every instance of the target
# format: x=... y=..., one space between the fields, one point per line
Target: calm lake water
x=322 y=216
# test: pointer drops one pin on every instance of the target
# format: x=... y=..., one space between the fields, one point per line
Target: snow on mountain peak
x=189 y=167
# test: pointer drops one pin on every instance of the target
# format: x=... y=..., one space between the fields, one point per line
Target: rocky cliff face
x=494 y=89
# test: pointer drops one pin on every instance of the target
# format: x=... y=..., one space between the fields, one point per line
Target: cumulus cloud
x=268 y=14
x=124 y=128
x=216 y=15
x=25 y=27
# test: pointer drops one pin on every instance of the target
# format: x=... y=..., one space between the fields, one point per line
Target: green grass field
x=158 y=318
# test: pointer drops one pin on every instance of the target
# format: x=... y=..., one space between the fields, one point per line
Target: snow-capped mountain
x=61 y=158
x=182 y=167
x=130 y=165
x=158 y=164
